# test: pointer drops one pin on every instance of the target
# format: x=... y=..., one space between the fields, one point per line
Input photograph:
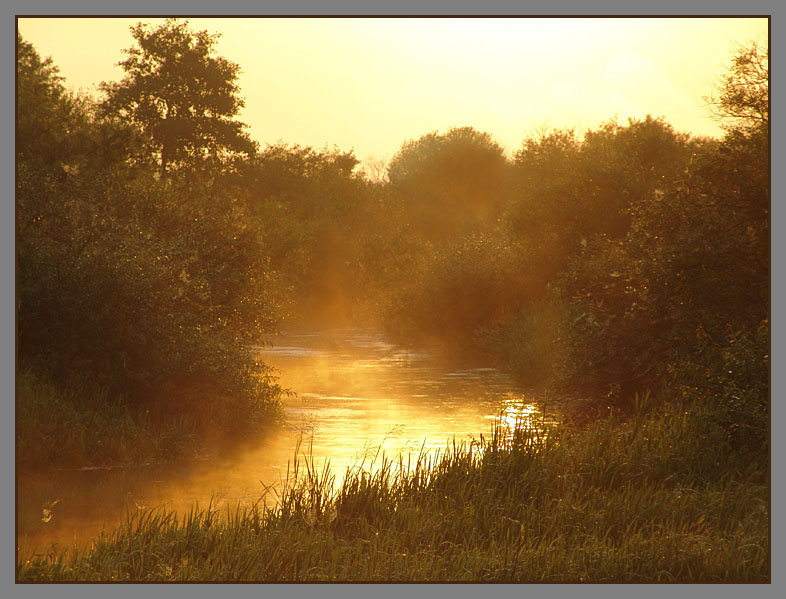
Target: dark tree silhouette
x=744 y=99
x=181 y=96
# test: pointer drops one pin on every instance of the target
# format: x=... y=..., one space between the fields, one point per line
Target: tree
x=41 y=101
x=684 y=297
x=744 y=100
x=570 y=191
x=181 y=96
x=452 y=183
x=144 y=287
x=313 y=209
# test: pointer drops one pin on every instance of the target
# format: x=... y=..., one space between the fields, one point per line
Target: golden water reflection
x=357 y=398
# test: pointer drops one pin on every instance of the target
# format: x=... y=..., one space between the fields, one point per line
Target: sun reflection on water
x=358 y=404
x=522 y=418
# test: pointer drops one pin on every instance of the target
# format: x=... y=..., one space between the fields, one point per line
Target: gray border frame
x=357 y=7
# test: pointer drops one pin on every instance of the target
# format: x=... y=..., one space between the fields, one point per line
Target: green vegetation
x=648 y=499
x=132 y=281
x=627 y=268
x=77 y=423
x=615 y=263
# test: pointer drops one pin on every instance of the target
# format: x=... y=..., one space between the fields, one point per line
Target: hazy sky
x=371 y=84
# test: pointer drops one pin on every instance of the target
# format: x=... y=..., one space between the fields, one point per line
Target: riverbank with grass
x=660 y=497
x=78 y=424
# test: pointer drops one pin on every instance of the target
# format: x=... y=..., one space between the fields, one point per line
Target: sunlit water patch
x=360 y=391
x=356 y=396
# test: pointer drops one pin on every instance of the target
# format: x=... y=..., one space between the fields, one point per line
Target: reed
x=658 y=498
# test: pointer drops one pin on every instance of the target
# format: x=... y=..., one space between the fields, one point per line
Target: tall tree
x=179 y=94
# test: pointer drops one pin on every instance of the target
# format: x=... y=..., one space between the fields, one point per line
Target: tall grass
x=655 y=498
x=78 y=424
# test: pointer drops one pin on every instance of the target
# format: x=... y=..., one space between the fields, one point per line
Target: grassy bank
x=76 y=424
x=663 y=496
x=81 y=423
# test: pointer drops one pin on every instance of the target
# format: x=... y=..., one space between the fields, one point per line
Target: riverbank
x=355 y=392
x=79 y=424
x=660 y=497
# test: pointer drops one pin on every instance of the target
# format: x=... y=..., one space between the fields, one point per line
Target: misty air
x=471 y=359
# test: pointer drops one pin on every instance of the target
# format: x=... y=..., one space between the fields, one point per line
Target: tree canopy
x=179 y=94
x=45 y=109
x=454 y=182
x=609 y=264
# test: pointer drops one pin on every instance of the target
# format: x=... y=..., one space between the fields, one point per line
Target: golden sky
x=368 y=85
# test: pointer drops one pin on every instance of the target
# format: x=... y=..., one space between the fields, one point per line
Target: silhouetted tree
x=42 y=101
x=452 y=182
x=180 y=95
x=685 y=295
x=744 y=100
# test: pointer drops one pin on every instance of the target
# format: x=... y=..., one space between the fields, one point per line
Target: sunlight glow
x=369 y=84
x=516 y=413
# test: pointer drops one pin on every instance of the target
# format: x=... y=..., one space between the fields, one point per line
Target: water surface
x=355 y=395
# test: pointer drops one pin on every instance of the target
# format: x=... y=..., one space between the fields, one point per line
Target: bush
x=79 y=424
x=731 y=380
x=695 y=258
x=529 y=343
x=464 y=286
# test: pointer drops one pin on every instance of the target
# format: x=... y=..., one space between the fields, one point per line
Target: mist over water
x=355 y=396
x=359 y=392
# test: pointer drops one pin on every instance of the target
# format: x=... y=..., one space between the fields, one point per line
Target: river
x=355 y=395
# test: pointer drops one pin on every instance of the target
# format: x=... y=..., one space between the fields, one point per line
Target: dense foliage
x=156 y=244
x=451 y=183
x=620 y=260
x=181 y=96
x=131 y=281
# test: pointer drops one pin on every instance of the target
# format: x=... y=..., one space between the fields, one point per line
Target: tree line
x=157 y=244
